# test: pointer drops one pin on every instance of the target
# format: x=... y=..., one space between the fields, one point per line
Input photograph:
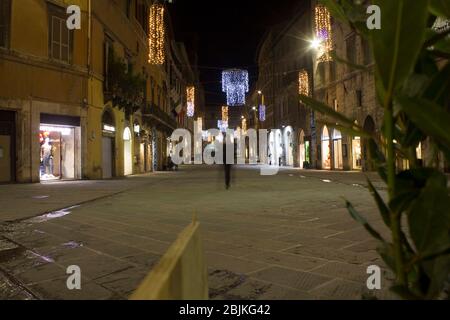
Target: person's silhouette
x=227 y=167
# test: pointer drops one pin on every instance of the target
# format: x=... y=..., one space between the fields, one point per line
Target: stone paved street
x=287 y=236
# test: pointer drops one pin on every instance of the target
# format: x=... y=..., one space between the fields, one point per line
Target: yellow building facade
x=58 y=117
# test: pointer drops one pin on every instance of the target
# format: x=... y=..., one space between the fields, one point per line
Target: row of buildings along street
x=87 y=104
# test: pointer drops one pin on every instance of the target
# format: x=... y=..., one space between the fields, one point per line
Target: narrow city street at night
x=287 y=236
x=228 y=159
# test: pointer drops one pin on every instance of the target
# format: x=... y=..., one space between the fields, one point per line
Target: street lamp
x=315 y=44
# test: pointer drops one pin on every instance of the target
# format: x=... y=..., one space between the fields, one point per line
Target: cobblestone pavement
x=287 y=236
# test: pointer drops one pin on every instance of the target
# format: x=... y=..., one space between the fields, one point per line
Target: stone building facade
x=350 y=92
x=283 y=53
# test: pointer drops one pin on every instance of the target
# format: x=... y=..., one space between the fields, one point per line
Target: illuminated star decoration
x=262 y=113
x=156 y=38
x=303 y=83
x=323 y=32
x=235 y=85
x=190 y=93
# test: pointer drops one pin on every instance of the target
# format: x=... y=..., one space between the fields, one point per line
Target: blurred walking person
x=226 y=166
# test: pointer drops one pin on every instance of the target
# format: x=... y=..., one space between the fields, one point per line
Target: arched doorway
x=302 y=149
x=275 y=148
x=108 y=144
x=369 y=126
x=326 y=149
x=337 y=150
x=289 y=146
x=127 y=153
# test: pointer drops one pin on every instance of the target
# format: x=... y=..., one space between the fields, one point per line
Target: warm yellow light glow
x=224 y=114
x=190 y=94
x=244 y=124
x=156 y=39
x=303 y=83
x=323 y=33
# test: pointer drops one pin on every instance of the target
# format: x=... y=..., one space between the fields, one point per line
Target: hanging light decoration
x=190 y=94
x=225 y=113
x=244 y=125
x=156 y=38
x=262 y=113
x=323 y=32
x=235 y=85
x=303 y=83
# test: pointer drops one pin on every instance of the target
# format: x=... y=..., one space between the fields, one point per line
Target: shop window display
x=57 y=153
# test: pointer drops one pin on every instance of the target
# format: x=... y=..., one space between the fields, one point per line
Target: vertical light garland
x=244 y=125
x=156 y=38
x=324 y=32
x=200 y=124
x=190 y=94
x=262 y=113
x=303 y=83
x=225 y=113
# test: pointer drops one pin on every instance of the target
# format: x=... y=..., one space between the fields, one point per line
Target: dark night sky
x=226 y=34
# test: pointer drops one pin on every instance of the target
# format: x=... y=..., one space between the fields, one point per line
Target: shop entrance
x=60 y=140
x=128 y=157
x=7 y=144
x=337 y=148
x=108 y=145
x=288 y=146
x=357 y=153
x=302 y=150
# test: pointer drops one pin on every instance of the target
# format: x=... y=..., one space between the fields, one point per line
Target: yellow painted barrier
x=181 y=274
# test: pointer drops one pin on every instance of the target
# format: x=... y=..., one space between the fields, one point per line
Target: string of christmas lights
x=156 y=38
x=200 y=124
x=235 y=85
x=324 y=32
x=190 y=94
x=244 y=124
x=262 y=113
x=303 y=83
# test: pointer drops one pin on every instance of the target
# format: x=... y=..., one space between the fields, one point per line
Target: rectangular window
x=107 y=56
x=128 y=8
x=332 y=71
x=5 y=19
x=367 y=51
x=359 y=98
x=60 y=38
x=351 y=49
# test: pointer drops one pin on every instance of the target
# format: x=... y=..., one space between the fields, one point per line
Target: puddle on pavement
x=16 y=258
x=51 y=215
x=40 y=197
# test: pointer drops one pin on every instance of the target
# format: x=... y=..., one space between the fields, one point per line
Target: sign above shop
x=108 y=128
x=65 y=131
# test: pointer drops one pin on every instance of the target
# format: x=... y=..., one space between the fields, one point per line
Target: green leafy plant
x=412 y=76
x=126 y=88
